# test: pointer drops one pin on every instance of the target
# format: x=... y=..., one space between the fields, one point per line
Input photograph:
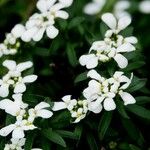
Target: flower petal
x=62 y=14
x=94 y=75
x=124 y=22
x=4 y=90
x=127 y=98
x=109 y=104
x=29 y=78
x=44 y=113
x=10 y=64
x=23 y=66
x=18 y=133
x=59 y=106
x=95 y=106
x=66 y=3
x=38 y=36
x=90 y=61
x=110 y=20
x=121 y=61
x=42 y=105
x=52 y=32
x=20 y=88
x=7 y=130
x=18 y=30
x=127 y=47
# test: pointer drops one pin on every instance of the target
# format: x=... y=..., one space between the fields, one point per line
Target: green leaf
x=133 y=147
x=54 y=137
x=136 y=84
x=104 y=124
x=135 y=65
x=142 y=100
x=75 y=22
x=67 y=134
x=78 y=131
x=139 y=111
x=81 y=77
x=41 y=51
x=46 y=144
x=72 y=55
x=133 y=131
x=121 y=109
x=29 y=140
x=91 y=141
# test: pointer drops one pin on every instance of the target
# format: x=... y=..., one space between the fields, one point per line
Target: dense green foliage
x=56 y=64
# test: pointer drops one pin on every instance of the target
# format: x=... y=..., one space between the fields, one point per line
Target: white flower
x=39 y=23
x=94 y=7
x=14 y=108
x=66 y=3
x=13 y=77
x=78 y=109
x=16 y=144
x=67 y=103
x=116 y=25
x=4 y=50
x=120 y=9
x=101 y=90
x=144 y=6
x=39 y=111
x=103 y=51
x=17 y=129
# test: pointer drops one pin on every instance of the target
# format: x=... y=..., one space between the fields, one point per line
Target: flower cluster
x=14 y=81
x=42 y=22
x=17 y=144
x=24 y=116
x=36 y=25
x=14 y=77
x=113 y=44
x=101 y=90
x=77 y=108
x=11 y=43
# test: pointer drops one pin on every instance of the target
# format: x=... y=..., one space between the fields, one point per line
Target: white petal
x=92 y=9
x=38 y=36
x=29 y=78
x=28 y=34
x=127 y=47
x=4 y=103
x=66 y=98
x=124 y=22
x=62 y=14
x=20 y=88
x=110 y=20
x=52 y=32
x=59 y=106
x=131 y=39
x=41 y=105
x=4 y=90
x=144 y=6
x=94 y=75
x=10 y=64
x=109 y=104
x=18 y=133
x=23 y=66
x=7 y=130
x=90 y=61
x=18 y=30
x=66 y=3
x=44 y=113
x=95 y=107
x=127 y=98
x=121 y=61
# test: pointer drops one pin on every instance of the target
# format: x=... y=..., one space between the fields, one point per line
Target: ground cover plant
x=74 y=74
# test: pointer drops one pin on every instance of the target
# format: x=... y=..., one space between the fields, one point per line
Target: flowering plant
x=73 y=74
